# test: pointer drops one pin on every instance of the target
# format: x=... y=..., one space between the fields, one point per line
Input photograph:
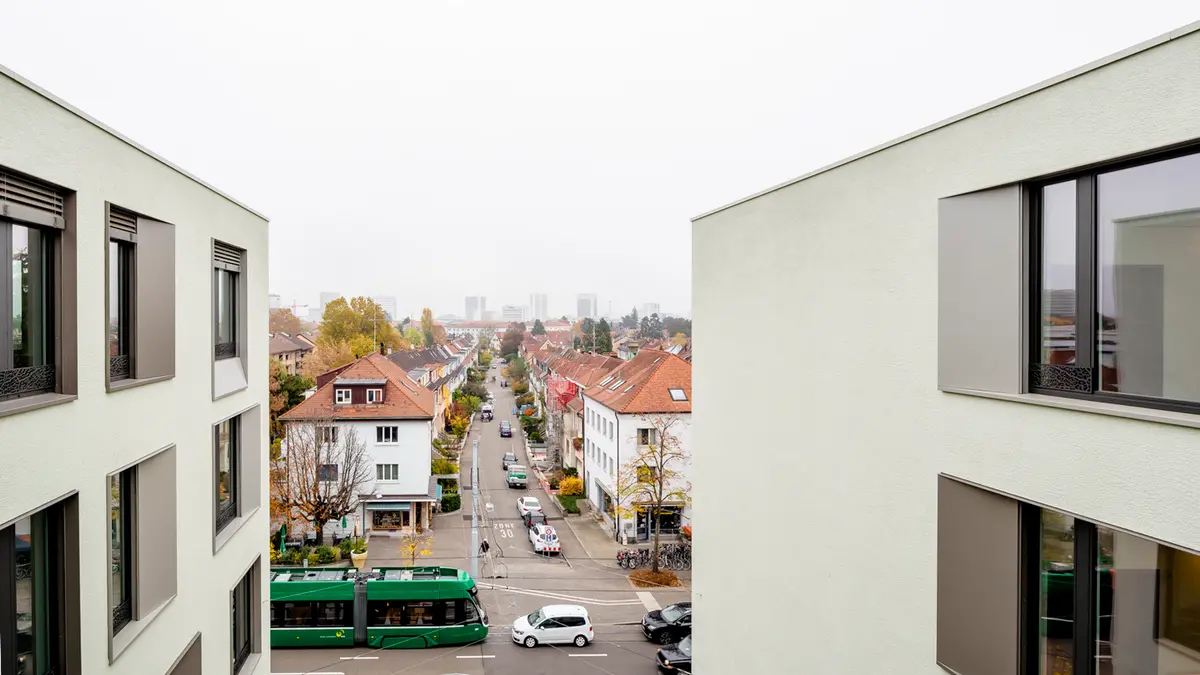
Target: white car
x=527 y=504
x=544 y=539
x=554 y=624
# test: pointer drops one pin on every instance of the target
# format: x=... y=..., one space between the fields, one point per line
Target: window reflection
x=226 y=282
x=27 y=613
x=1148 y=279
x=1058 y=273
x=225 y=463
x=1057 y=605
x=30 y=269
x=117 y=539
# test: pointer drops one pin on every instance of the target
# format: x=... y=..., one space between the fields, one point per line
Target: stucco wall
x=74 y=446
x=838 y=484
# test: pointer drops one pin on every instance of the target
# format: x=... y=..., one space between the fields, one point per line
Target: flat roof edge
x=24 y=82
x=1021 y=93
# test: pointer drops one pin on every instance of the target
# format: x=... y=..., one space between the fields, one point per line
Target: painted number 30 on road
x=504 y=530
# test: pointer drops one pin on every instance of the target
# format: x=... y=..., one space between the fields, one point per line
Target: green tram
x=388 y=608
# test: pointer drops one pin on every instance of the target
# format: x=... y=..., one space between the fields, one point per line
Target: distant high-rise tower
x=585 y=306
x=388 y=303
x=537 y=307
x=473 y=307
x=651 y=308
x=482 y=306
x=328 y=297
x=512 y=313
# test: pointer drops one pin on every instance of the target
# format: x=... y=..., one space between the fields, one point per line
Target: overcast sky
x=430 y=150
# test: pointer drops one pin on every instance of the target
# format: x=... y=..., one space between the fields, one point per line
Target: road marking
x=584 y=656
x=648 y=600
x=484 y=656
x=360 y=658
x=314 y=672
x=558 y=596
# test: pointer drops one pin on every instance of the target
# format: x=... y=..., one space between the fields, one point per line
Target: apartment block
x=134 y=501
x=989 y=460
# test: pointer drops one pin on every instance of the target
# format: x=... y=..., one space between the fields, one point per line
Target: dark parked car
x=505 y=430
x=534 y=518
x=509 y=459
x=676 y=658
x=669 y=624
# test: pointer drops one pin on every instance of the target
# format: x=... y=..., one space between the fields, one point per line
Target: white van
x=554 y=624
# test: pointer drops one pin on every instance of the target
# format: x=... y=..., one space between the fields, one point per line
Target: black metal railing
x=118 y=367
x=243 y=653
x=226 y=515
x=16 y=381
x=1061 y=377
x=225 y=350
x=121 y=615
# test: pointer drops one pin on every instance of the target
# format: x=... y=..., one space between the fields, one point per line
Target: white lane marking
x=648 y=600
x=584 y=656
x=360 y=658
x=557 y=596
x=314 y=672
x=484 y=656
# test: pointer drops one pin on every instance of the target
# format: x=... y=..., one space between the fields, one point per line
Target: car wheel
x=664 y=638
x=531 y=642
x=580 y=640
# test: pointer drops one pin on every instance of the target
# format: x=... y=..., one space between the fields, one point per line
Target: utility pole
x=475 y=509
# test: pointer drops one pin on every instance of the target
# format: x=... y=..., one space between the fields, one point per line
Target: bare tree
x=655 y=477
x=324 y=470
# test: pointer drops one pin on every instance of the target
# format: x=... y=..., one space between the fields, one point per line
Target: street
x=514 y=582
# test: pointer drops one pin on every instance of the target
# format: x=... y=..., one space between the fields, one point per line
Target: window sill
x=1094 y=407
x=19 y=405
x=130 y=632
x=250 y=667
x=221 y=538
x=131 y=383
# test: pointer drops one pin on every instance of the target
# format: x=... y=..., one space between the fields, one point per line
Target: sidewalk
x=448 y=546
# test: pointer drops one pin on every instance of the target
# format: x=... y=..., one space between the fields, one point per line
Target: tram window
x=451 y=614
x=470 y=614
x=297 y=614
x=419 y=613
x=385 y=613
x=332 y=613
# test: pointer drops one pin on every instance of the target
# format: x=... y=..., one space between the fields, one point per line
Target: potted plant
x=358 y=554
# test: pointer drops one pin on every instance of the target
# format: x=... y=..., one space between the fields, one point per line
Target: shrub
x=520 y=388
x=274 y=553
x=571 y=485
x=524 y=399
x=345 y=546
x=570 y=471
x=313 y=559
x=443 y=466
x=359 y=547
x=324 y=555
x=451 y=502
x=536 y=436
x=570 y=503
x=449 y=485
x=553 y=480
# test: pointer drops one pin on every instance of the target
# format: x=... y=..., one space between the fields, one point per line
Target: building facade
x=651 y=308
x=538 y=307
x=134 y=503
x=388 y=304
x=1021 y=399
x=585 y=306
x=512 y=313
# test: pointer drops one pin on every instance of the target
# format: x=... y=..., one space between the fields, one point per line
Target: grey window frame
x=227 y=260
x=1081 y=380
x=33 y=380
x=243 y=611
x=120 y=366
x=52 y=520
x=224 y=515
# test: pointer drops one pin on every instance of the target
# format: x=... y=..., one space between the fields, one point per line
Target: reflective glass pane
x=1148 y=279
x=115 y=343
x=226 y=282
x=225 y=462
x=117 y=535
x=28 y=578
x=1056 y=602
x=1058 y=273
x=30 y=297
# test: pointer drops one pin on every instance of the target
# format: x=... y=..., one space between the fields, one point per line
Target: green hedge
x=451 y=502
x=570 y=502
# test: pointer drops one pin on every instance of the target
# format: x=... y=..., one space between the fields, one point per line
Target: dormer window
x=374 y=396
x=341 y=396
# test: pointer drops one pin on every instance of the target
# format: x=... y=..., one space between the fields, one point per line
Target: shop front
x=670 y=521
x=392 y=516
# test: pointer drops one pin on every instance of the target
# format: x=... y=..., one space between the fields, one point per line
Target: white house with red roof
x=393 y=415
x=619 y=415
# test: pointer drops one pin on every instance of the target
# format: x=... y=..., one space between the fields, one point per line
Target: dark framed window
x=327 y=435
x=122 y=489
x=327 y=472
x=1116 y=266
x=226 y=314
x=226 y=459
x=1099 y=601
x=120 y=309
x=387 y=434
x=241 y=621
x=33 y=634
x=311 y=614
x=27 y=288
x=387 y=472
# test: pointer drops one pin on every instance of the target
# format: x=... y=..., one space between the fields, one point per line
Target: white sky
x=431 y=150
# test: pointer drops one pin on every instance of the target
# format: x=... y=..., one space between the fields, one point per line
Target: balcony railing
x=17 y=381
x=121 y=615
x=225 y=350
x=118 y=367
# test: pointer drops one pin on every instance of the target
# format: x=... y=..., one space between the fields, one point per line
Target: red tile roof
x=644 y=383
x=403 y=398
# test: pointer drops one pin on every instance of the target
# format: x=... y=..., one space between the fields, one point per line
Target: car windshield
x=671 y=613
x=686 y=646
x=532 y=503
x=534 y=618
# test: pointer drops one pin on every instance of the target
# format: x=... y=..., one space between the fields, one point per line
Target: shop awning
x=388 y=506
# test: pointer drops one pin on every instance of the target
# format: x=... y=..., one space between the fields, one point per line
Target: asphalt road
x=515 y=583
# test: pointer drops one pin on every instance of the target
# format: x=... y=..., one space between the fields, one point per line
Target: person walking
x=484 y=548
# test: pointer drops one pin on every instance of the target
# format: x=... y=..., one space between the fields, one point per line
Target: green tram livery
x=388 y=608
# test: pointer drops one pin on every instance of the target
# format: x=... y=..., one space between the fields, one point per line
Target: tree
x=287 y=391
x=516 y=370
x=585 y=330
x=343 y=321
x=564 y=317
x=414 y=544
x=603 y=337
x=284 y=321
x=675 y=324
x=538 y=327
x=630 y=320
x=427 y=326
x=651 y=326
x=326 y=356
x=510 y=342
x=415 y=337
x=680 y=339
x=324 y=470
x=655 y=476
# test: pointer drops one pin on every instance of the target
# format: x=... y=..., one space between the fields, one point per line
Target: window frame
x=1040 y=378
x=120 y=366
x=226 y=350
x=224 y=515
x=244 y=610
x=374 y=396
x=50 y=533
x=45 y=376
x=338 y=396
x=122 y=612
x=384 y=432
x=382 y=471
x=323 y=473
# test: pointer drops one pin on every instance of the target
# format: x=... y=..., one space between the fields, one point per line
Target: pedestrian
x=484 y=548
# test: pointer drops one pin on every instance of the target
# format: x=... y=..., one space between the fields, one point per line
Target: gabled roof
x=282 y=343
x=403 y=398
x=642 y=385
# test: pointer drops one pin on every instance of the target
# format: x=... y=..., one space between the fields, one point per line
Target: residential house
x=956 y=493
x=134 y=505
x=620 y=412
x=567 y=375
x=289 y=350
x=375 y=400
